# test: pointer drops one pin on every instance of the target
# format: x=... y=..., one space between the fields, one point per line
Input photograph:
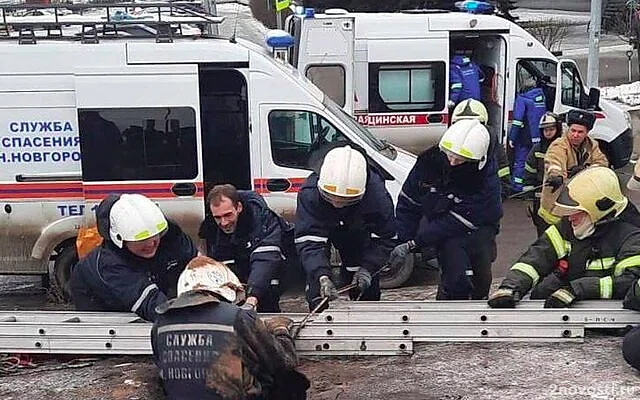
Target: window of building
x=296 y=134
x=406 y=87
x=120 y=144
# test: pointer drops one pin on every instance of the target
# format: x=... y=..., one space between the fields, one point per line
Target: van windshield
x=379 y=145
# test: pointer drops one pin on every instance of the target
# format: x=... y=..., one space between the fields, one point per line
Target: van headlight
x=627 y=117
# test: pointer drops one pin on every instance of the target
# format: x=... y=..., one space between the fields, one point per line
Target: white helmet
x=470 y=109
x=134 y=218
x=343 y=176
x=468 y=139
x=206 y=274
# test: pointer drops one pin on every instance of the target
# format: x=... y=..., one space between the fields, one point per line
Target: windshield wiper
x=387 y=146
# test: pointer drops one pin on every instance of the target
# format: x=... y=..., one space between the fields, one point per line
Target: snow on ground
x=628 y=94
x=525 y=14
x=577 y=40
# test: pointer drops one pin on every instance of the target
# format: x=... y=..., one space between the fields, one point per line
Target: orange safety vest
x=87 y=240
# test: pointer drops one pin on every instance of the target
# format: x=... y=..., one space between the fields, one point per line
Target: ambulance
x=165 y=116
x=391 y=72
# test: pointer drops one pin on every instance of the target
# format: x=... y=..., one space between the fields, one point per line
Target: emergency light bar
x=279 y=39
x=475 y=7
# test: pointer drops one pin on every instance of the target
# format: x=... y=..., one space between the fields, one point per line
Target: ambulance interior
x=225 y=128
x=489 y=52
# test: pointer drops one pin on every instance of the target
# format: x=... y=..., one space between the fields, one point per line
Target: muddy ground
x=594 y=369
x=590 y=370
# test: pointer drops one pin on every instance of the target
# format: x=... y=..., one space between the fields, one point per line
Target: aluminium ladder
x=354 y=328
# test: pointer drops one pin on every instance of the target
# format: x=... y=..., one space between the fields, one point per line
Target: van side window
x=406 y=87
x=572 y=88
x=295 y=134
x=531 y=72
x=120 y=144
x=330 y=79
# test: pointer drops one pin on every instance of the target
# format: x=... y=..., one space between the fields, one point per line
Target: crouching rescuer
x=451 y=202
x=208 y=348
x=592 y=253
x=244 y=233
x=346 y=204
x=138 y=263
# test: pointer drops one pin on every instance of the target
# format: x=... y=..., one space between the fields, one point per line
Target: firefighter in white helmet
x=599 y=247
x=345 y=204
x=451 y=202
x=474 y=109
x=138 y=263
x=232 y=353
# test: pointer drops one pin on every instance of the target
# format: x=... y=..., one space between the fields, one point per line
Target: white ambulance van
x=164 y=116
x=391 y=71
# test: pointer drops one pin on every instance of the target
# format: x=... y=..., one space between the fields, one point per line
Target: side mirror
x=594 y=99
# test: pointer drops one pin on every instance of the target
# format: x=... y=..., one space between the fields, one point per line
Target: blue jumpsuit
x=529 y=108
x=464 y=79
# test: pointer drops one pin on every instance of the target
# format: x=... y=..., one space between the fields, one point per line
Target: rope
x=12 y=363
x=21 y=364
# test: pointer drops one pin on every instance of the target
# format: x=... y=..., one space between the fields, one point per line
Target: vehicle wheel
x=65 y=260
x=394 y=279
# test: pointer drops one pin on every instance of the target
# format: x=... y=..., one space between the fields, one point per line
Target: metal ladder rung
x=591 y=318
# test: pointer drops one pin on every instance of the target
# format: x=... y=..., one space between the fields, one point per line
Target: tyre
x=65 y=260
x=394 y=279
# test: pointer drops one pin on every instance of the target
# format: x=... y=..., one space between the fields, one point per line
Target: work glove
x=327 y=288
x=362 y=278
x=575 y=169
x=248 y=306
x=561 y=298
x=504 y=298
x=554 y=182
x=279 y=325
x=632 y=299
x=399 y=254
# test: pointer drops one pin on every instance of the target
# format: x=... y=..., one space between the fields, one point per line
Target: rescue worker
x=465 y=77
x=529 y=107
x=473 y=109
x=450 y=201
x=591 y=254
x=136 y=267
x=245 y=233
x=550 y=129
x=565 y=157
x=232 y=354
x=634 y=182
x=631 y=343
x=346 y=204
